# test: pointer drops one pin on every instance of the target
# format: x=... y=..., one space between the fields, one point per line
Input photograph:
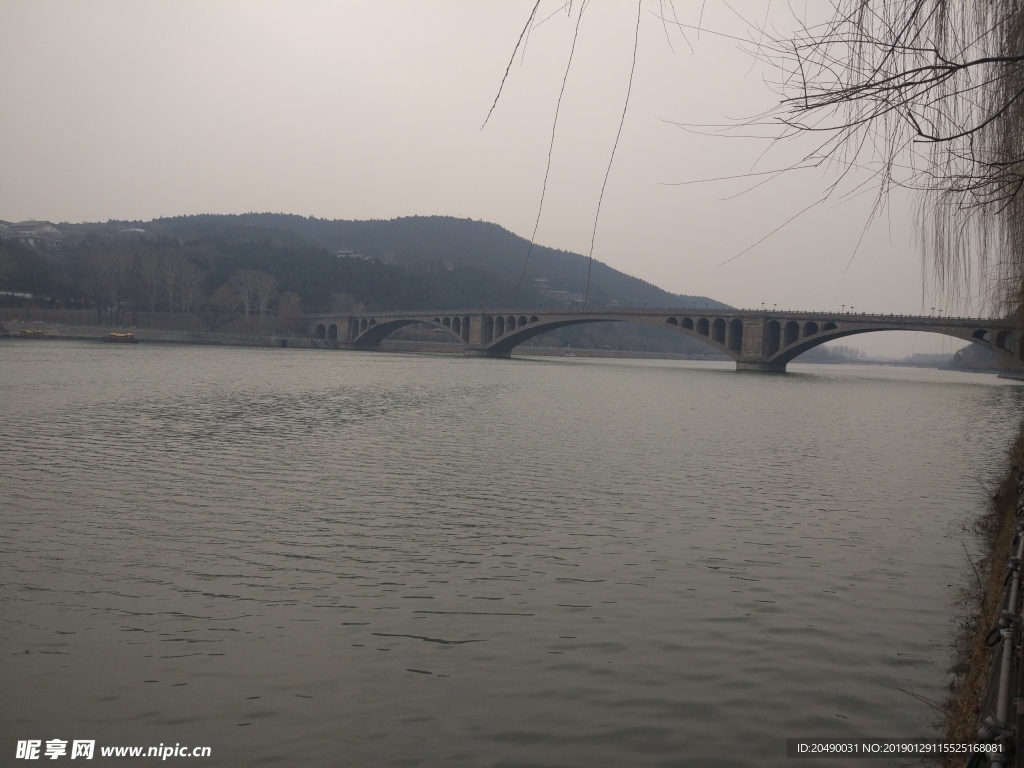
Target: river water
x=357 y=559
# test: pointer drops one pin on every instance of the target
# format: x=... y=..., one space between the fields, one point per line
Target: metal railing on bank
x=1002 y=705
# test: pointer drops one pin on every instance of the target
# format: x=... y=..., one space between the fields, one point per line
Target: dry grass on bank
x=979 y=606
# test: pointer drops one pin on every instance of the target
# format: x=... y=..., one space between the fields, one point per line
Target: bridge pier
x=760 y=366
x=485 y=352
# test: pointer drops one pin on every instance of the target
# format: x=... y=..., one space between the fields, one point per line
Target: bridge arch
x=830 y=332
x=790 y=333
x=731 y=332
x=371 y=333
x=718 y=330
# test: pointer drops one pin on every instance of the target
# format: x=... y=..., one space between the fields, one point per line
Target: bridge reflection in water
x=756 y=340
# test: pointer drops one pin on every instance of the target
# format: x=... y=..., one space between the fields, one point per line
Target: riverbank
x=973 y=662
x=43 y=331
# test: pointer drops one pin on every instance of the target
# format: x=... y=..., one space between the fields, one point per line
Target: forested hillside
x=423 y=242
x=226 y=270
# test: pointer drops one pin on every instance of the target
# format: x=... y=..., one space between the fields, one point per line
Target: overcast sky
x=373 y=109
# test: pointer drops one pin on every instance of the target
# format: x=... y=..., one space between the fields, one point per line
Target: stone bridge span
x=756 y=340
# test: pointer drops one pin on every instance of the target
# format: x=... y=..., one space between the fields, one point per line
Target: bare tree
x=926 y=95
x=190 y=284
x=217 y=309
x=111 y=271
x=169 y=264
x=148 y=266
x=243 y=285
x=345 y=302
x=265 y=291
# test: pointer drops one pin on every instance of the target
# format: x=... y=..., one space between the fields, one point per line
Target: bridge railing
x=668 y=310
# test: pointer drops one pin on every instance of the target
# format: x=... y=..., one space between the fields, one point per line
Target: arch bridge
x=756 y=340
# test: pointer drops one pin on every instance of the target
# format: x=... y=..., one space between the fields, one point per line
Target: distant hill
x=185 y=264
x=429 y=242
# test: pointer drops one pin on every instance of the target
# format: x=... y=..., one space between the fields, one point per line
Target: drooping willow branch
x=927 y=95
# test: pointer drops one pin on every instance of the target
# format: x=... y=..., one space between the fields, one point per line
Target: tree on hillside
x=23 y=268
x=342 y=301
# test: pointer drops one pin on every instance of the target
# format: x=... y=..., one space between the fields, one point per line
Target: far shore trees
x=265 y=291
x=190 y=285
x=169 y=272
x=111 y=271
x=217 y=309
x=254 y=290
x=289 y=312
x=242 y=284
x=148 y=271
x=136 y=277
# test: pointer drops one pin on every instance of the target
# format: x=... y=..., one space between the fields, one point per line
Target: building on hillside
x=353 y=255
x=565 y=298
x=33 y=233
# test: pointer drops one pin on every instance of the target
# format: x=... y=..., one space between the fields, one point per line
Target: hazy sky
x=373 y=109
